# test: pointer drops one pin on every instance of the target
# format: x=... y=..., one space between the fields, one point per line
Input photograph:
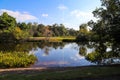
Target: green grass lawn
x=81 y=73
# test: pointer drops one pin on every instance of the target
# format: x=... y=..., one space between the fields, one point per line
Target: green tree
x=40 y=30
x=23 y=26
x=83 y=33
x=108 y=25
x=7 y=21
x=106 y=30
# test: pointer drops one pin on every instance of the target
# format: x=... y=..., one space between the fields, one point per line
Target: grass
x=51 y=39
x=82 y=73
x=16 y=59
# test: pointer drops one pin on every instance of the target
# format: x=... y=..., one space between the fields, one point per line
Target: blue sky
x=71 y=13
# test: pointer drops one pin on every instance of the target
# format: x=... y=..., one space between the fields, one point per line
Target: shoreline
x=110 y=72
x=54 y=68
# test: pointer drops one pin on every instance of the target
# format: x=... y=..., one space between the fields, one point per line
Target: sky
x=71 y=13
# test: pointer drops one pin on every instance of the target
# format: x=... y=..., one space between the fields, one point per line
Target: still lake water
x=52 y=54
x=66 y=55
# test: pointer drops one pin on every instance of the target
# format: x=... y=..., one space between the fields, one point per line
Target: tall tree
x=109 y=19
x=7 y=21
x=108 y=30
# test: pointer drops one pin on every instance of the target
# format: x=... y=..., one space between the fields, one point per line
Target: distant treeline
x=105 y=29
x=40 y=30
x=10 y=30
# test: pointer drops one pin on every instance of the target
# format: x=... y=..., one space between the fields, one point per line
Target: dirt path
x=23 y=69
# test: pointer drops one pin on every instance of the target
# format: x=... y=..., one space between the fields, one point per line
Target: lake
x=65 y=54
x=52 y=54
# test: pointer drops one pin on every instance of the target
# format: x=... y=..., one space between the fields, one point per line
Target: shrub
x=20 y=34
x=16 y=59
x=93 y=57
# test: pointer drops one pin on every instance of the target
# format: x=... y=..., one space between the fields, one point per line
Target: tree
x=107 y=29
x=72 y=32
x=83 y=28
x=7 y=21
x=40 y=29
x=23 y=26
x=83 y=33
x=109 y=20
x=47 y=33
x=19 y=34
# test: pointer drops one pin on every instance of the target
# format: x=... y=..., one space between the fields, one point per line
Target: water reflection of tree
x=26 y=47
x=47 y=46
x=22 y=47
x=82 y=51
x=83 y=48
x=54 y=45
x=102 y=56
x=46 y=50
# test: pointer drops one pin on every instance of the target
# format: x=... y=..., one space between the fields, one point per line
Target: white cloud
x=82 y=16
x=71 y=25
x=44 y=15
x=77 y=57
x=78 y=13
x=62 y=7
x=20 y=16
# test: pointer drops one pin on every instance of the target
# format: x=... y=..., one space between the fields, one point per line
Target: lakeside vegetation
x=51 y=39
x=16 y=59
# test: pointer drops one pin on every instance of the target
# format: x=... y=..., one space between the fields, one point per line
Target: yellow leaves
x=18 y=30
x=93 y=56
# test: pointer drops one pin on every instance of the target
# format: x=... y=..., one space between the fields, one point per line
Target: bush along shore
x=16 y=59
